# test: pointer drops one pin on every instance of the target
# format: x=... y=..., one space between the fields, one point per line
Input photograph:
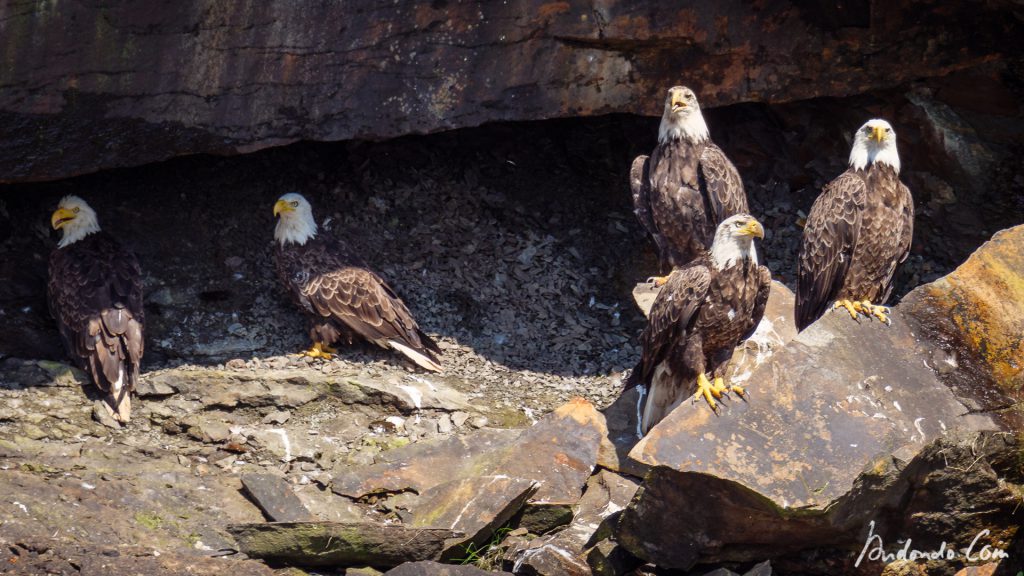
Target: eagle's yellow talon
x=880 y=312
x=739 y=390
x=706 y=390
x=319 y=350
x=851 y=307
x=719 y=388
x=658 y=281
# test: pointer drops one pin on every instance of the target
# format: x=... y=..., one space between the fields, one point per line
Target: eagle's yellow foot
x=658 y=280
x=868 y=309
x=319 y=350
x=709 y=391
x=720 y=385
x=851 y=307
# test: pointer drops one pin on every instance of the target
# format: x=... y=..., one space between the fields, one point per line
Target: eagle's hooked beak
x=282 y=206
x=877 y=133
x=61 y=217
x=678 y=102
x=754 y=229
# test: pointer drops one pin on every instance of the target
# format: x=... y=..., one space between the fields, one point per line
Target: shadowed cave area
x=514 y=243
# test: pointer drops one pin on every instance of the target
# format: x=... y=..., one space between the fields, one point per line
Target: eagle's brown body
x=859 y=230
x=680 y=195
x=95 y=294
x=690 y=330
x=342 y=298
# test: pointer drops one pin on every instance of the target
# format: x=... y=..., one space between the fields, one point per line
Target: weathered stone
x=609 y=559
x=435 y=569
x=817 y=411
x=337 y=544
x=284 y=446
x=476 y=507
x=952 y=490
x=721 y=572
x=105 y=86
x=210 y=432
x=363 y=571
x=904 y=568
x=560 y=451
x=564 y=552
x=976 y=315
x=983 y=570
x=275 y=498
x=414 y=467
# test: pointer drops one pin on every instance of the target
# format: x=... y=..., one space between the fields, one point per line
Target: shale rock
x=565 y=552
x=835 y=426
x=339 y=544
x=275 y=498
x=91 y=86
x=475 y=507
x=559 y=451
x=434 y=569
x=976 y=315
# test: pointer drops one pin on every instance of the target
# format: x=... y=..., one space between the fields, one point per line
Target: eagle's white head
x=295 y=219
x=734 y=240
x=75 y=219
x=682 y=119
x=875 y=141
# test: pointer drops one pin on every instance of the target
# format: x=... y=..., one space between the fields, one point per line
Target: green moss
x=149 y=520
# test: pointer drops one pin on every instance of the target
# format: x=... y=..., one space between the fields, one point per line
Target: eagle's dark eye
x=295 y=204
x=738 y=224
x=75 y=210
x=888 y=130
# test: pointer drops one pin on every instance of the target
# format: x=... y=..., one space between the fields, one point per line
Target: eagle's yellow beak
x=877 y=133
x=753 y=228
x=282 y=206
x=61 y=217
x=678 y=100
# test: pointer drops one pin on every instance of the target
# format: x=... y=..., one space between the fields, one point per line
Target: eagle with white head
x=687 y=187
x=95 y=293
x=341 y=296
x=858 y=232
x=705 y=309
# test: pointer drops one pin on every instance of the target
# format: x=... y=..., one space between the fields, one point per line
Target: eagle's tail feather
x=420 y=358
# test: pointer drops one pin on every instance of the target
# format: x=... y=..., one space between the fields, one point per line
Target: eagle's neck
x=298 y=230
x=865 y=154
x=727 y=251
x=77 y=232
x=690 y=127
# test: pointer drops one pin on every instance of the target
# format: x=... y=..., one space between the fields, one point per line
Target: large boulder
x=90 y=85
x=851 y=429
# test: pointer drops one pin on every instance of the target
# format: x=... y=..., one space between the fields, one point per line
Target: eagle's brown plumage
x=343 y=298
x=95 y=294
x=701 y=314
x=687 y=186
x=858 y=232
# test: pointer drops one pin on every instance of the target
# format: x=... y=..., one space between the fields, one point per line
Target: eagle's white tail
x=420 y=359
x=654 y=408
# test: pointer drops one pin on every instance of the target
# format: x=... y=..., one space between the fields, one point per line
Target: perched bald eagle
x=858 y=232
x=95 y=291
x=341 y=296
x=705 y=309
x=687 y=186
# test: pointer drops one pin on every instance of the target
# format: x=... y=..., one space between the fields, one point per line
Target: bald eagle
x=687 y=186
x=341 y=296
x=859 y=230
x=95 y=292
x=705 y=309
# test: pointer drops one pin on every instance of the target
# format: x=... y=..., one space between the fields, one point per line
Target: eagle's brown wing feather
x=829 y=239
x=640 y=185
x=671 y=315
x=332 y=288
x=905 y=239
x=724 y=185
x=95 y=292
x=764 y=288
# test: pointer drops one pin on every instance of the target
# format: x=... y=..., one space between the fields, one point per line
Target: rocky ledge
x=857 y=440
